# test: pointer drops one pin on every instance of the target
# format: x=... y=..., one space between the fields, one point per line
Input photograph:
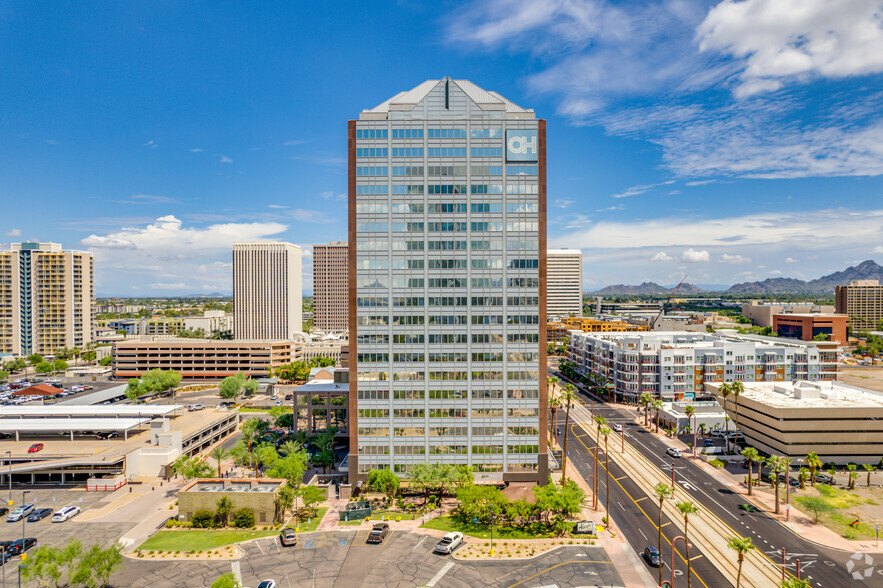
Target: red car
x=35 y=448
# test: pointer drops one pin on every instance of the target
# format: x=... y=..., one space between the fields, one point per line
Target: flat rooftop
x=61 y=411
x=66 y=425
x=829 y=394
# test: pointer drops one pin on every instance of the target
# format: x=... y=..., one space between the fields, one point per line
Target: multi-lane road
x=635 y=513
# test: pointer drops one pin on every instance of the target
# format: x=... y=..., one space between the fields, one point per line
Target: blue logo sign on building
x=522 y=145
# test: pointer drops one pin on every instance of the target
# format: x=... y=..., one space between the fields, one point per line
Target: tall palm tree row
x=737 y=388
x=662 y=491
x=687 y=508
x=742 y=545
x=646 y=400
x=554 y=403
x=568 y=393
x=657 y=406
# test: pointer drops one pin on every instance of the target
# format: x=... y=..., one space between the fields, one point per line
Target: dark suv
x=378 y=533
x=20 y=546
x=651 y=554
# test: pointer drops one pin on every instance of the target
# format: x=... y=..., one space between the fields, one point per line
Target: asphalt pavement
x=822 y=566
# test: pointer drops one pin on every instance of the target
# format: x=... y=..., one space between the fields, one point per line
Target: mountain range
x=866 y=270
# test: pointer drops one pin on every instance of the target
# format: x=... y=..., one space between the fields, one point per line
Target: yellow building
x=591 y=325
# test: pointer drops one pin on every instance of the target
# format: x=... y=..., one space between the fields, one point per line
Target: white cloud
x=151 y=144
x=13 y=233
x=147 y=199
x=225 y=159
x=294 y=142
x=641 y=189
x=329 y=195
x=636 y=69
x=52 y=142
x=277 y=206
x=783 y=40
x=662 y=256
x=735 y=259
x=197 y=150
x=877 y=249
x=693 y=256
x=562 y=203
x=167 y=252
x=791 y=260
x=776 y=273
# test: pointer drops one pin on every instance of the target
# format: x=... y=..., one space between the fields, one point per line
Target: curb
x=484 y=559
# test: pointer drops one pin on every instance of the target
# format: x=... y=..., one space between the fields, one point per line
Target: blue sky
x=727 y=141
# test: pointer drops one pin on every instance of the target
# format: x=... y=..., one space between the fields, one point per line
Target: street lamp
x=688 y=546
x=9 y=461
x=693 y=416
x=24 y=519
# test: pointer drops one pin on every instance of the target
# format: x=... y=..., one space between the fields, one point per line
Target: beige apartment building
x=761 y=313
x=212 y=358
x=565 y=282
x=267 y=291
x=330 y=312
x=841 y=423
x=46 y=298
x=862 y=300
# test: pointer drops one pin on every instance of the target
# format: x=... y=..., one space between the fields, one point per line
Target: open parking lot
x=343 y=559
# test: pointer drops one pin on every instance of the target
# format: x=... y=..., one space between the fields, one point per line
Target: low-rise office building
x=840 y=423
x=321 y=403
x=807 y=326
x=677 y=365
x=257 y=494
x=761 y=313
x=207 y=359
x=600 y=325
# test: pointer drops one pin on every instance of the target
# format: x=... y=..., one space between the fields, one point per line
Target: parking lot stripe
x=441 y=573
x=418 y=544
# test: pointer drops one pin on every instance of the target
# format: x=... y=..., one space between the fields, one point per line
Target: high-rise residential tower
x=329 y=286
x=46 y=299
x=447 y=284
x=565 y=282
x=267 y=291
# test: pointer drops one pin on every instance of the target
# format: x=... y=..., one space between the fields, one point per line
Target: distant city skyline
x=156 y=137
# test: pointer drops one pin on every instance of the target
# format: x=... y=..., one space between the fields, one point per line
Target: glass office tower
x=447 y=272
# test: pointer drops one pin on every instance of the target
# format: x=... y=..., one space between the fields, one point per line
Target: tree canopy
x=300 y=370
x=152 y=382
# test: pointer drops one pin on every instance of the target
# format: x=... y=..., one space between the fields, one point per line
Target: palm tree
x=219 y=454
x=725 y=391
x=813 y=463
x=802 y=475
x=869 y=467
x=752 y=455
x=690 y=410
x=657 y=406
x=568 y=393
x=702 y=429
x=646 y=399
x=663 y=491
x=605 y=431
x=599 y=420
x=776 y=465
x=554 y=403
x=736 y=388
x=687 y=508
x=742 y=546
x=852 y=475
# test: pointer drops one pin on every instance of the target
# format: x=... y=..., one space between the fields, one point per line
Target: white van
x=65 y=513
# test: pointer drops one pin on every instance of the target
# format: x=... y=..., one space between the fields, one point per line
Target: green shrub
x=243 y=518
x=202 y=519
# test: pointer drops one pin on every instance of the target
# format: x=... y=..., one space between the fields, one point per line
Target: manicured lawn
x=196 y=540
x=246 y=409
x=305 y=525
x=350 y=523
x=449 y=524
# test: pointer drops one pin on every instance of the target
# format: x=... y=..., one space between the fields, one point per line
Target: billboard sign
x=522 y=145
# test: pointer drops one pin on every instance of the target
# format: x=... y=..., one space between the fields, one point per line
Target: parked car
x=709 y=443
x=651 y=556
x=288 y=536
x=744 y=464
x=64 y=513
x=378 y=533
x=35 y=448
x=3 y=511
x=824 y=478
x=673 y=452
x=20 y=513
x=267 y=584
x=107 y=435
x=288 y=397
x=39 y=514
x=616 y=427
x=194 y=407
x=449 y=543
x=20 y=546
x=791 y=480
